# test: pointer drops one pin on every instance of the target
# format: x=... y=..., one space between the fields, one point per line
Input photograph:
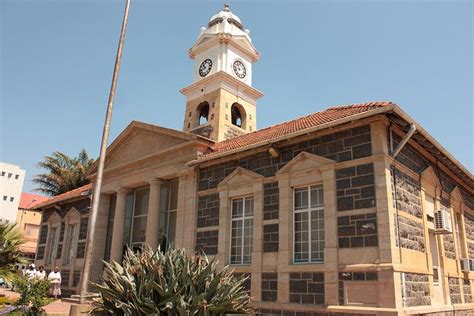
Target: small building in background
x=29 y=221
x=11 y=186
x=62 y=235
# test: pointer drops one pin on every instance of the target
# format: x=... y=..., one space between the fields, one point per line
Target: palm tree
x=10 y=255
x=65 y=173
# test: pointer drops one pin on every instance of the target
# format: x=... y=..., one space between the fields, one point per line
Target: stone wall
x=271 y=201
x=207 y=241
x=467 y=291
x=277 y=312
x=208 y=210
x=417 y=290
x=454 y=290
x=307 y=288
x=341 y=146
x=355 y=187
x=269 y=287
x=469 y=225
x=357 y=230
x=353 y=276
x=411 y=234
x=448 y=242
x=204 y=131
x=270 y=238
x=407 y=195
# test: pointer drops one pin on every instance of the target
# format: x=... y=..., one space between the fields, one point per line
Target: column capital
x=122 y=190
x=155 y=182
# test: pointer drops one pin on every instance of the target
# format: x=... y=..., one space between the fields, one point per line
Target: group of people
x=54 y=277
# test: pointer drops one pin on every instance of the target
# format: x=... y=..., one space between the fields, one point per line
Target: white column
x=153 y=221
x=118 y=229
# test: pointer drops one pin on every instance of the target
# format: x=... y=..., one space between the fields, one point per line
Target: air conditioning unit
x=467 y=265
x=443 y=222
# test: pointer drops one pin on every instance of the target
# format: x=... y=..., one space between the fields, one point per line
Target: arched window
x=237 y=115
x=203 y=110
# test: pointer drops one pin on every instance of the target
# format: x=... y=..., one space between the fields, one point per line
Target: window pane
x=317 y=236
x=237 y=208
x=249 y=207
x=128 y=217
x=301 y=198
x=172 y=228
x=317 y=196
x=139 y=229
x=141 y=201
x=173 y=195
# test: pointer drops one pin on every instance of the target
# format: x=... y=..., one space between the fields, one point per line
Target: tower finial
x=226 y=7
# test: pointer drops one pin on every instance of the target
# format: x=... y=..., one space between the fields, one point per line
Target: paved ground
x=58 y=307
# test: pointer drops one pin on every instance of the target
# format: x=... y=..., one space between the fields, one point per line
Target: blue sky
x=57 y=59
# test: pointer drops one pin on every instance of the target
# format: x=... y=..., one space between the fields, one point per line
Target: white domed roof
x=226 y=14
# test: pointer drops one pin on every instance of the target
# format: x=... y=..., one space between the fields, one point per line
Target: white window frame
x=131 y=243
x=308 y=210
x=242 y=219
x=53 y=244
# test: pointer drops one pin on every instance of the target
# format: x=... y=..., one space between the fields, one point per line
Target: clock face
x=205 y=67
x=239 y=69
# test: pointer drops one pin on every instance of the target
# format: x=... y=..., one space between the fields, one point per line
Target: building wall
x=66 y=248
x=29 y=223
x=11 y=186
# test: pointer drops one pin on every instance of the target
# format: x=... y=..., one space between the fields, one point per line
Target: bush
x=33 y=295
x=170 y=283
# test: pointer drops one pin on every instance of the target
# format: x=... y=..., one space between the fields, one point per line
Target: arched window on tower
x=237 y=115
x=203 y=110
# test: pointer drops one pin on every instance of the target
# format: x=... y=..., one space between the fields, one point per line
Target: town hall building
x=354 y=209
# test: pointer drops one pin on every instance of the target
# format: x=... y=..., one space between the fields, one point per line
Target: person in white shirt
x=30 y=273
x=55 y=278
x=40 y=274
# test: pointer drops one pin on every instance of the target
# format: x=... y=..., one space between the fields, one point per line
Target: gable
x=139 y=144
x=238 y=177
x=304 y=161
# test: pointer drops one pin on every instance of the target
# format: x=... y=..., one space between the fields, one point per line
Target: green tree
x=10 y=255
x=33 y=295
x=64 y=173
x=170 y=283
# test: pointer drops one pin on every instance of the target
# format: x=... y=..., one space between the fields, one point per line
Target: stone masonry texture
x=355 y=187
x=276 y=312
x=270 y=237
x=208 y=210
x=353 y=276
x=357 y=230
x=417 y=290
x=454 y=290
x=407 y=194
x=469 y=224
x=341 y=146
x=467 y=291
x=207 y=241
x=271 y=201
x=448 y=242
x=269 y=287
x=411 y=234
x=307 y=288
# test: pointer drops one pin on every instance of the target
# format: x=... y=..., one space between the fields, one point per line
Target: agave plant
x=170 y=283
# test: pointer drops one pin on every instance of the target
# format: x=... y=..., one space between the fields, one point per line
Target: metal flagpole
x=100 y=170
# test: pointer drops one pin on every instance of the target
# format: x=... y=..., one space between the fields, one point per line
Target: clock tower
x=221 y=102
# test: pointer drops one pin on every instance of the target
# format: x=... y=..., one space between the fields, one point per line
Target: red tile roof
x=66 y=196
x=28 y=200
x=287 y=128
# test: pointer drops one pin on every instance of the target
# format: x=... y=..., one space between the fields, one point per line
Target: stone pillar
x=284 y=238
x=118 y=229
x=153 y=220
x=256 y=266
x=178 y=240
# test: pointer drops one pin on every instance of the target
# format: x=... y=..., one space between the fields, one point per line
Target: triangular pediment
x=239 y=176
x=305 y=161
x=54 y=218
x=73 y=212
x=456 y=196
x=429 y=177
x=140 y=140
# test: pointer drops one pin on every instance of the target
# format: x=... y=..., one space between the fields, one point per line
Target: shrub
x=33 y=295
x=170 y=283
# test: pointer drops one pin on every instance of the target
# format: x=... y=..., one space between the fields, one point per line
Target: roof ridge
x=333 y=108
